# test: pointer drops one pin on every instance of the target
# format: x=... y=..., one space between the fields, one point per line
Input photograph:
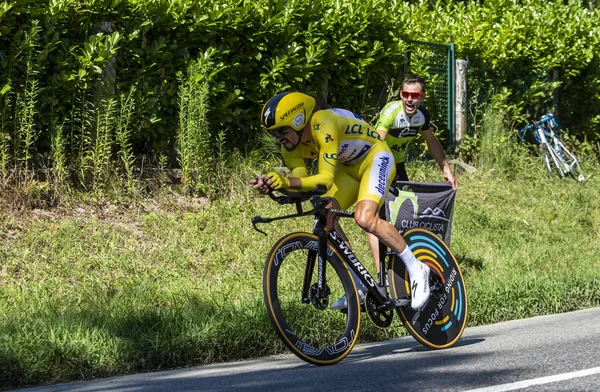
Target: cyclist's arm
x=382 y=132
x=327 y=140
x=386 y=119
x=299 y=172
x=436 y=150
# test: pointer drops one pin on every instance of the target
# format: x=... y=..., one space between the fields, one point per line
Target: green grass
x=93 y=291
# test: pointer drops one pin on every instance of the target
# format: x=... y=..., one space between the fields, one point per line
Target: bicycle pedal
x=402 y=302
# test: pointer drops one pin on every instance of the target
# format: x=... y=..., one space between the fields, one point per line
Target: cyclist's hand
x=261 y=184
x=278 y=181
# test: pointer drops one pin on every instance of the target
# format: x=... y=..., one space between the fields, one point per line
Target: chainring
x=381 y=318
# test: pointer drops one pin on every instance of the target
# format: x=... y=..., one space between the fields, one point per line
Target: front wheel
x=300 y=313
x=441 y=323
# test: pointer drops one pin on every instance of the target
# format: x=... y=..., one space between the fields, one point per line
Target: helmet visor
x=279 y=132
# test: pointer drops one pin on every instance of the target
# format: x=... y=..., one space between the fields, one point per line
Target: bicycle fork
x=317 y=257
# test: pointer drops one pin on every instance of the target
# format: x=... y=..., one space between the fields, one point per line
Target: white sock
x=410 y=261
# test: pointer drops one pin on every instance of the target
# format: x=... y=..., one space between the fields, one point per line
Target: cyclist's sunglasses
x=411 y=95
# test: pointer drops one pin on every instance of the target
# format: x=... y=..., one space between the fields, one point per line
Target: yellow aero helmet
x=287 y=110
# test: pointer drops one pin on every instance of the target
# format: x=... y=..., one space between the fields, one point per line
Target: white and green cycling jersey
x=400 y=128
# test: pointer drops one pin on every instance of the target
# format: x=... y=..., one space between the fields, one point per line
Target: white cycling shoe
x=419 y=288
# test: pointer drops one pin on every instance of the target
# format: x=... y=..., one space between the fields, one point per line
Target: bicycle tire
x=573 y=164
x=318 y=336
x=577 y=173
x=441 y=323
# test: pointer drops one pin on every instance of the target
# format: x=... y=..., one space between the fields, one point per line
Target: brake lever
x=259 y=219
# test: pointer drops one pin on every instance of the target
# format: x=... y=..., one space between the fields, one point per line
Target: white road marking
x=538 y=381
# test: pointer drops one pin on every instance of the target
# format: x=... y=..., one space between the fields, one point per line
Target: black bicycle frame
x=320 y=254
x=348 y=256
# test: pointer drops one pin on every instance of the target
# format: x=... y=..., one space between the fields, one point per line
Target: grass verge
x=93 y=291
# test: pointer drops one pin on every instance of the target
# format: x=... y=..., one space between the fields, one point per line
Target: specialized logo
x=291 y=111
x=267 y=115
x=413 y=289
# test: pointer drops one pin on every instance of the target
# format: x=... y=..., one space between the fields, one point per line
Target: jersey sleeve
x=324 y=133
x=387 y=115
x=295 y=162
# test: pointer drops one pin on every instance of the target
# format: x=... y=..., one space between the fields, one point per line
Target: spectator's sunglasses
x=411 y=95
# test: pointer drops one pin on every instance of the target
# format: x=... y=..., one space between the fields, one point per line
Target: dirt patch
x=16 y=211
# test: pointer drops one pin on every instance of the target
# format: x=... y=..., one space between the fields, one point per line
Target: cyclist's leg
x=376 y=173
x=344 y=191
x=377 y=249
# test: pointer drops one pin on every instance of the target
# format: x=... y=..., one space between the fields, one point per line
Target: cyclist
x=398 y=124
x=354 y=163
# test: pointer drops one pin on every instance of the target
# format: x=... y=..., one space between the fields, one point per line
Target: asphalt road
x=547 y=353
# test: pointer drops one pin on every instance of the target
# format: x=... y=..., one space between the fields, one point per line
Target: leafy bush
x=341 y=51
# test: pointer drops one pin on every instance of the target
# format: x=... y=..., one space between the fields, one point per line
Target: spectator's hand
x=278 y=181
x=451 y=179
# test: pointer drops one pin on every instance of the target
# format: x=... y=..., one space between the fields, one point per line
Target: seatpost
x=382 y=254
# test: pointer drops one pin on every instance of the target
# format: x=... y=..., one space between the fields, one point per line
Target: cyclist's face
x=412 y=96
x=287 y=137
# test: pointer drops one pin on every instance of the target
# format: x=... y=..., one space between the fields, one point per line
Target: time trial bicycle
x=556 y=156
x=305 y=273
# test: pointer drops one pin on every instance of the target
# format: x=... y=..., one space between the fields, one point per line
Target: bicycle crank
x=380 y=317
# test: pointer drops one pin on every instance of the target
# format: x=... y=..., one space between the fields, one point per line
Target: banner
x=422 y=205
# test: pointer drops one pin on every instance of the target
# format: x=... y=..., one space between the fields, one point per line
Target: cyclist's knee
x=366 y=220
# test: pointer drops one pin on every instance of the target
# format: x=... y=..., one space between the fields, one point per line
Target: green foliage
x=66 y=62
x=101 y=144
x=58 y=155
x=340 y=51
x=123 y=137
x=194 y=138
x=26 y=97
x=526 y=51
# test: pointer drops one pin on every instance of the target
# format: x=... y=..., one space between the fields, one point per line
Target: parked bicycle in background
x=557 y=157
